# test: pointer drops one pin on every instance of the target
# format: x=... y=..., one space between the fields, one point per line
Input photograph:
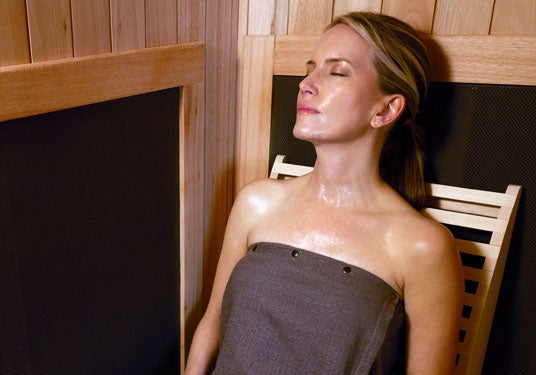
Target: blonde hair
x=402 y=63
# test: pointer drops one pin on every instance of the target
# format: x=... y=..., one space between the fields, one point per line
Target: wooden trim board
x=466 y=59
x=31 y=89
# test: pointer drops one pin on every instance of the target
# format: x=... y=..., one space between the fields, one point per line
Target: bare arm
x=206 y=338
x=433 y=299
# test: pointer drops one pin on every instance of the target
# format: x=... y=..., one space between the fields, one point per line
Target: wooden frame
x=31 y=89
x=468 y=59
x=36 y=88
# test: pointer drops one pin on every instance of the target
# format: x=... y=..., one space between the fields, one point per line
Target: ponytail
x=402 y=162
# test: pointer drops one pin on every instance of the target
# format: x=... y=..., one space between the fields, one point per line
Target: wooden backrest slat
x=474 y=274
x=471 y=195
x=466 y=220
x=478 y=248
x=466 y=207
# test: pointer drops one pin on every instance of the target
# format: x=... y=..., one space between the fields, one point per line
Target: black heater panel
x=89 y=278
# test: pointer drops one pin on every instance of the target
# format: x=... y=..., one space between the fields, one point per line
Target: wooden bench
x=489 y=214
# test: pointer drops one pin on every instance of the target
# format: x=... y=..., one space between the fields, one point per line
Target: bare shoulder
x=426 y=240
x=260 y=198
x=261 y=194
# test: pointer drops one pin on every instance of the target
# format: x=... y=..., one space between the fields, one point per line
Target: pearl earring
x=376 y=122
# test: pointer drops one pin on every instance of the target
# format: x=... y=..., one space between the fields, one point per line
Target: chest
x=363 y=239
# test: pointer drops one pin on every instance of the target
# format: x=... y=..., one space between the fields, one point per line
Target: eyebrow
x=329 y=61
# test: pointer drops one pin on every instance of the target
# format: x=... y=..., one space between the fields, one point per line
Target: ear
x=393 y=108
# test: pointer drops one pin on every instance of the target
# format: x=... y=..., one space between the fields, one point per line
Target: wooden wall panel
x=128 y=24
x=191 y=20
x=281 y=17
x=161 y=22
x=49 y=24
x=14 y=47
x=191 y=206
x=91 y=27
x=418 y=13
x=514 y=17
x=341 y=7
x=253 y=130
x=462 y=17
x=261 y=17
x=191 y=27
x=309 y=17
x=220 y=117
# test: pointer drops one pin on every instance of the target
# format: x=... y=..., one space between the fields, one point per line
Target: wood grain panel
x=191 y=198
x=309 y=17
x=14 y=47
x=292 y=52
x=481 y=59
x=191 y=27
x=417 y=13
x=341 y=7
x=31 y=89
x=49 y=24
x=161 y=22
x=261 y=17
x=128 y=24
x=281 y=17
x=476 y=59
x=91 y=27
x=253 y=132
x=461 y=17
x=219 y=126
x=514 y=17
x=191 y=20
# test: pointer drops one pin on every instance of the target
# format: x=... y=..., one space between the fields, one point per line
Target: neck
x=346 y=176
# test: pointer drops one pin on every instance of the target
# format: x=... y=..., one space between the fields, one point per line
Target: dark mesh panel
x=89 y=239
x=479 y=136
x=283 y=119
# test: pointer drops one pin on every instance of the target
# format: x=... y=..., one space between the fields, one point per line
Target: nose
x=308 y=85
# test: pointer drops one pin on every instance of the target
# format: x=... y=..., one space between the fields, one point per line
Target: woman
x=336 y=272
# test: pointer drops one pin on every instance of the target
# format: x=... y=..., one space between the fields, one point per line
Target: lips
x=305 y=109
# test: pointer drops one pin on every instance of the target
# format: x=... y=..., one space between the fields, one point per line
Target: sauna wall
x=440 y=17
x=40 y=32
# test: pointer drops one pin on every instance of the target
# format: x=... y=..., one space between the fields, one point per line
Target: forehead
x=343 y=42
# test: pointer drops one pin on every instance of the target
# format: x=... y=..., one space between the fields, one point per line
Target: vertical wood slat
x=281 y=17
x=91 y=27
x=253 y=131
x=514 y=17
x=128 y=24
x=14 y=47
x=417 y=13
x=219 y=128
x=191 y=27
x=49 y=24
x=309 y=17
x=191 y=20
x=341 y=7
x=261 y=16
x=191 y=207
x=461 y=17
x=161 y=22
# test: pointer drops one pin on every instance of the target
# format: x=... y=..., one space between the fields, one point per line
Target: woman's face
x=339 y=98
